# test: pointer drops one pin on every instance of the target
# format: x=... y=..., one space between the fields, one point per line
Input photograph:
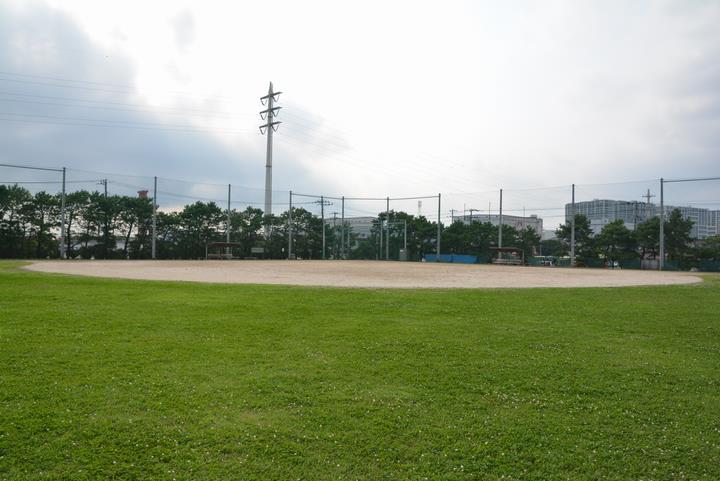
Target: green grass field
x=116 y=379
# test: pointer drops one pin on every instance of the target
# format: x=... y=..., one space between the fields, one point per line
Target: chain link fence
x=650 y=224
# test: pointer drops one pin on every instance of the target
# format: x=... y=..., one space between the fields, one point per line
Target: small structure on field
x=515 y=256
x=226 y=253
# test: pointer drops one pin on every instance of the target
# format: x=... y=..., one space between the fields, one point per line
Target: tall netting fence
x=649 y=224
x=122 y=216
x=507 y=226
x=369 y=228
x=691 y=231
x=609 y=219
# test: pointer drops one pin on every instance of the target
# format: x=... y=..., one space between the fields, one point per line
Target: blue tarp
x=456 y=258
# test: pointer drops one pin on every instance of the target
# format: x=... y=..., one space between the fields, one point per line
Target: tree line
x=120 y=227
x=616 y=243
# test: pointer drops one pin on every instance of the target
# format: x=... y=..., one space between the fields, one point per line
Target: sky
x=379 y=98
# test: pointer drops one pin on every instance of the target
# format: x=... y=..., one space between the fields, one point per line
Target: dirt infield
x=363 y=274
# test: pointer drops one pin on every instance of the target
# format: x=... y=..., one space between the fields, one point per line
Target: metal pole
x=342 y=229
x=322 y=216
x=380 y=228
x=335 y=240
x=572 y=229
x=290 y=228
x=268 y=162
x=437 y=253
x=662 y=224
x=154 y=224
x=500 y=224
x=387 y=233
x=405 y=236
x=63 y=252
x=227 y=230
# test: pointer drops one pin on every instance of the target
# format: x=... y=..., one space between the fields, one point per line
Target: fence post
x=387 y=232
x=661 y=264
x=63 y=252
x=437 y=252
x=154 y=219
x=380 y=244
x=500 y=225
x=290 y=228
x=228 y=249
x=572 y=229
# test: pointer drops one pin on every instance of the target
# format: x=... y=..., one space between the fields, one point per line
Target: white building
x=517 y=221
x=359 y=226
x=601 y=212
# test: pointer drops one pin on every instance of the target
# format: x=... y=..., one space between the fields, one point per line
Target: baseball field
x=127 y=379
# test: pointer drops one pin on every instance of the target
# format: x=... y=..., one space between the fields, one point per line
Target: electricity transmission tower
x=270 y=126
x=648 y=206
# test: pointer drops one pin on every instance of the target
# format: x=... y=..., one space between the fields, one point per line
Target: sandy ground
x=363 y=273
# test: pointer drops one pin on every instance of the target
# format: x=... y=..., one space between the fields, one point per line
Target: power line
x=125 y=89
x=52 y=120
x=128 y=122
x=49 y=182
x=183 y=112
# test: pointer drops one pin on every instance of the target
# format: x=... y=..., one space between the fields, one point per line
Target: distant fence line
x=570 y=209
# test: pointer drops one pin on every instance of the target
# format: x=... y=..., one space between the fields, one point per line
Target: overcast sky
x=399 y=98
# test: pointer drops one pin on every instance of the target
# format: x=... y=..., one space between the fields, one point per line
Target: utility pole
x=228 y=250
x=335 y=239
x=437 y=256
x=572 y=229
x=63 y=252
x=290 y=228
x=405 y=237
x=103 y=182
x=471 y=213
x=387 y=233
x=323 y=203
x=500 y=224
x=342 y=231
x=154 y=219
x=380 y=228
x=269 y=127
x=106 y=221
x=662 y=224
x=647 y=197
x=452 y=216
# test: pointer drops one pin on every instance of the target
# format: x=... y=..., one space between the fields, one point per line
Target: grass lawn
x=118 y=379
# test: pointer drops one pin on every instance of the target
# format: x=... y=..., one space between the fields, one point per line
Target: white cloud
x=415 y=97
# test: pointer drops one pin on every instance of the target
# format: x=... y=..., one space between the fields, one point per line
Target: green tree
x=584 y=248
x=246 y=227
x=13 y=225
x=677 y=235
x=647 y=235
x=75 y=202
x=42 y=214
x=201 y=222
x=529 y=241
x=553 y=247
x=616 y=242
